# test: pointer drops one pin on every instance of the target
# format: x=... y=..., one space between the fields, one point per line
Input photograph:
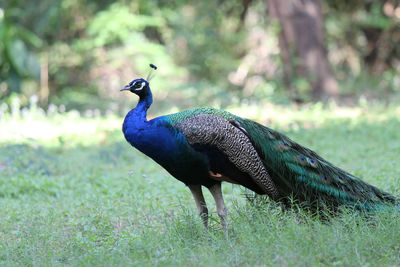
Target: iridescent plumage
x=204 y=146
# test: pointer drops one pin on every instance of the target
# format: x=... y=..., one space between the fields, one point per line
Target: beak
x=126 y=87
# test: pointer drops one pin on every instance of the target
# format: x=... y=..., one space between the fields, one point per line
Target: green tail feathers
x=307 y=176
x=300 y=172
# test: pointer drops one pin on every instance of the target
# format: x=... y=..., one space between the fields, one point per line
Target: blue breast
x=167 y=146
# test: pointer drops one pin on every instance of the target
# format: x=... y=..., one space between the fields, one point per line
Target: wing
x=224 y=135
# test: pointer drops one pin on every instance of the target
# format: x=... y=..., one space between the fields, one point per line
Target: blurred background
x=75 y=54
x=74 y=192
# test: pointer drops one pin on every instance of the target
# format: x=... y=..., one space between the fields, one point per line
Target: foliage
x=225 y=50
x=363 y=37
x=73 y=192
x=17 y=60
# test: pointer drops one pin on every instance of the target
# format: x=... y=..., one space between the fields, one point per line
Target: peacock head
x=140 y=86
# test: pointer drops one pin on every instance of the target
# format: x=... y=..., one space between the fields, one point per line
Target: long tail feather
x=308 y=176
x=300 y=172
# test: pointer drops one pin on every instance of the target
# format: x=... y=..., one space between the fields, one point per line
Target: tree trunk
x=44 y=81
x=301 y=41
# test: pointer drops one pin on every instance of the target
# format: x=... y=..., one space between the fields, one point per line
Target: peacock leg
x=200 y=202
x=219 y=201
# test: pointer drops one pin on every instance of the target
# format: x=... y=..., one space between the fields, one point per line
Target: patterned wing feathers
x=208 y=129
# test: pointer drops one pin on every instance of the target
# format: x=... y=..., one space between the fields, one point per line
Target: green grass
x=73 y=192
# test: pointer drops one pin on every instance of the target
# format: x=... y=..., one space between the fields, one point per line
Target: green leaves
x=118 y=23
x=17 y=59
x=23 y=61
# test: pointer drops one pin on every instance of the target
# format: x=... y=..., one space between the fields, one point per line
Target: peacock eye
x=137 y=85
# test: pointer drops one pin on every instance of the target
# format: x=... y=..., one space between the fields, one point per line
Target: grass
x=73 y=192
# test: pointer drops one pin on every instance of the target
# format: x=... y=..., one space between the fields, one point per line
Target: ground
x=73 y=192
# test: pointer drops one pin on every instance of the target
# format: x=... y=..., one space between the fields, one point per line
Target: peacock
x=207 y=146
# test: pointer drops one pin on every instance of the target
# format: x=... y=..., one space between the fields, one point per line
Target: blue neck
x=143 y=105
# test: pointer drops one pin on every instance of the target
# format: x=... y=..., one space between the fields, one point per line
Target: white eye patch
x=141 y=87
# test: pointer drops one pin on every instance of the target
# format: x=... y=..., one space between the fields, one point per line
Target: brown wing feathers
x=232 y=140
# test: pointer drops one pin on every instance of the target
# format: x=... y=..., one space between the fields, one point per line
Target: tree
x=302 y=44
